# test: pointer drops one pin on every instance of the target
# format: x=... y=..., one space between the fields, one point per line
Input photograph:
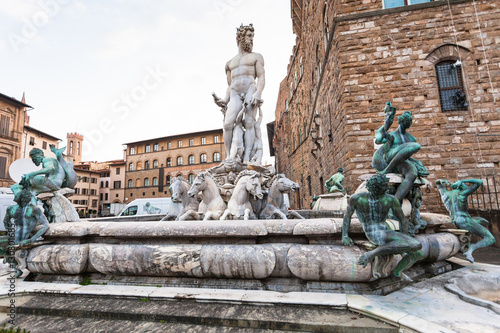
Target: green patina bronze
x=25 y=216
x=455 y=201
x=334 y=184
x=55 y=174
x=372 y=209
x=20 y=222
x=397 y=148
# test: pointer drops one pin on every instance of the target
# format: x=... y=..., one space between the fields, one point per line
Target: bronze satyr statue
x=25 y=216
x=334 y=184
x=455 y=202
x=372 y=209
x=398 y=147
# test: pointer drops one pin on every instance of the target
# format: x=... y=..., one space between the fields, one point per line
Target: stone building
x=117 y=181
x=439 y=60
x=152 y=164
x=86 y=197
x=34 y=138
x=12 y=116
x=74 y=147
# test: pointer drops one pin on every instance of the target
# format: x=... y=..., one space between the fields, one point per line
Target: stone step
x=43 y=313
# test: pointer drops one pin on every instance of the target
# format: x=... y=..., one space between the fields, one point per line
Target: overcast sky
x=119 y=71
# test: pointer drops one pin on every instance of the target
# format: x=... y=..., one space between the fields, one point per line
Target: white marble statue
x=239 y=206
x=246 y=81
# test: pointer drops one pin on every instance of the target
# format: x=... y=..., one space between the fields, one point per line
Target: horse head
x=253 y=186
x=177 y=189
x=198 y=185
x=285 y=184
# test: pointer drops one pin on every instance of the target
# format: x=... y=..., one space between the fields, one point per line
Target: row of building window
x=154 y=181
x=116 y=184
x=85 y=202
x=86 y=180
x=156 y=146
x=180 y=161
x=85 y=191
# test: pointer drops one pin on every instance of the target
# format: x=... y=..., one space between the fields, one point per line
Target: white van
x=6 y=200
x=147 y=206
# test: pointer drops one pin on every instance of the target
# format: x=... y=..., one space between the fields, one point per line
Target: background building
x=12 y=116
x=33 y=138
x=86 y=197
x=437 y=59
x=151 y=164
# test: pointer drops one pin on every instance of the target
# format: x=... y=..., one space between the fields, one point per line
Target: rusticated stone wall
x=351 y=57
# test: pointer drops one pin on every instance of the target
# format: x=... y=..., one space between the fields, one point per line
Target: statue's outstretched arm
x=381 y=136
x=476 y=183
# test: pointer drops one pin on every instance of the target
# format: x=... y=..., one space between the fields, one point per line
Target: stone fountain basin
x=478 y=290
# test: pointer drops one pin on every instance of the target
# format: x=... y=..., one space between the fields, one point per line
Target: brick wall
x=356 y=56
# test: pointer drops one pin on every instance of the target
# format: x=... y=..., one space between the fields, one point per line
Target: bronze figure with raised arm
x=455 y=201
x=398 y=147
x=246 y=81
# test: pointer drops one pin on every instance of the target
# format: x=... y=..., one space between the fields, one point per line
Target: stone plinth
x=332 y=202
x=285 y=251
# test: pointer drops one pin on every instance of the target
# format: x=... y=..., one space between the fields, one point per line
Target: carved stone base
x=332 y=202
x=61 y=209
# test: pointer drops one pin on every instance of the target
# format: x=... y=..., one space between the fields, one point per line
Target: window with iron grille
x=450 y=84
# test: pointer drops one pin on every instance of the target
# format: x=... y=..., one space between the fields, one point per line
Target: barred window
x=450 y=84
x=401 y=3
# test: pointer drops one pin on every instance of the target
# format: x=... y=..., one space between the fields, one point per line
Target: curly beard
x=246 y=45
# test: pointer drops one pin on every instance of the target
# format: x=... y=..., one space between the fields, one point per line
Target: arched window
x=191 y=178
x=102 y=184
x=167 y=180
x=191 y=159
x=146 y=181
x=169 y=162
x=146 y=165
x=449 y=61
x=137 y=182
x=216 y=157
x=131 y=167
x=139 y=165
x=155 y=164
x=450 y=85
x=155 y=181
x=71 y=147
x=107 y=184
x=130 y=183
x=132 y=150
x=78 y=148
x=179 y=160
x=203 y=158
